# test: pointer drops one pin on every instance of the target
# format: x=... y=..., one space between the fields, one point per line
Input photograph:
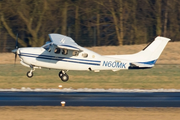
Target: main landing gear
x=62 y=74
x=64 y=77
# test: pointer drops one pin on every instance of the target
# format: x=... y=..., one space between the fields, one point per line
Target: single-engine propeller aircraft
x=64 y=54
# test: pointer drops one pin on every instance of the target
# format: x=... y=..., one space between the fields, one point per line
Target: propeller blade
x=15 y=59
x=17 y=42
x=16 y=49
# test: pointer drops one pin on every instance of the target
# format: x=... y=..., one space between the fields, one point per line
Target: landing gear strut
x=64 y=77
x=30 y=73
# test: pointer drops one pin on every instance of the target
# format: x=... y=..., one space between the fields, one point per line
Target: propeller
x=15 y=51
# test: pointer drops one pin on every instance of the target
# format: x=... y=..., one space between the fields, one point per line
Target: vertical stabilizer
x=154 y=50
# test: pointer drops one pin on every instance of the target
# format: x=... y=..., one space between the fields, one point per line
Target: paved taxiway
x=124 y=99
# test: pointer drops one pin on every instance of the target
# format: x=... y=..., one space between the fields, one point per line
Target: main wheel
x=64 y=77
x=60 y=74
x=29 y=74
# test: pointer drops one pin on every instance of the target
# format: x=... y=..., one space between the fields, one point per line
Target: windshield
x=47 y=47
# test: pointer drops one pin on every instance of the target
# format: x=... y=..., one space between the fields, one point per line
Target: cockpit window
x=64 y=52
x=57 y=50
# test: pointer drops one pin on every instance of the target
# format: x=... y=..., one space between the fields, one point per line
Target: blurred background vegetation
x=88 y=22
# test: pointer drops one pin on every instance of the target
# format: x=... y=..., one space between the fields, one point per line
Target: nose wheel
x=64 y=77
x=30 y=73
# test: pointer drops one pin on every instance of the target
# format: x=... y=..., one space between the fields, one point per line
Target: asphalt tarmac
x=109 y=99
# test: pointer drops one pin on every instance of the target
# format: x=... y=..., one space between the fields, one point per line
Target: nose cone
x=16 y=51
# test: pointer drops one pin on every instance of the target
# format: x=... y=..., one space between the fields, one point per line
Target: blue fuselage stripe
x=64 y=59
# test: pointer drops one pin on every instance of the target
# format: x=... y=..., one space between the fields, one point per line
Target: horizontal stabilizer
x=140 y=65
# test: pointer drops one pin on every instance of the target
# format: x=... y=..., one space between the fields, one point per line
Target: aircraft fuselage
x=86 y=60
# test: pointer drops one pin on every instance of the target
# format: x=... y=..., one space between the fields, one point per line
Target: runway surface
x=116 y=99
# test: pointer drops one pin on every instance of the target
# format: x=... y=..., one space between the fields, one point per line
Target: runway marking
x=90 y=90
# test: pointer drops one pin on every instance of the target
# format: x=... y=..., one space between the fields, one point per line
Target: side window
x=85 y=55
x=64 y=52
x=57 y=50
x=75 y=53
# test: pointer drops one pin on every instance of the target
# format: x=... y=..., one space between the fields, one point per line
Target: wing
x=64 y=42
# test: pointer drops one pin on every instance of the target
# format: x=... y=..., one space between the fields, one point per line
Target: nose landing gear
x=30 y=73
x=64 y=77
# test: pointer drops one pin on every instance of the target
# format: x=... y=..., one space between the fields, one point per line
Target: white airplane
x=64 y=54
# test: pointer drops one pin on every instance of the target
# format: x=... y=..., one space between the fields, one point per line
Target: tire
x=29 y=75
x=60 y=74
x=64 y=77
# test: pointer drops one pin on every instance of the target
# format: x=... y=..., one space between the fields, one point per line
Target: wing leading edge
x=64 y=42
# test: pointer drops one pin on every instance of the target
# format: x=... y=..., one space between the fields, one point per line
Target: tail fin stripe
x=149 y=62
